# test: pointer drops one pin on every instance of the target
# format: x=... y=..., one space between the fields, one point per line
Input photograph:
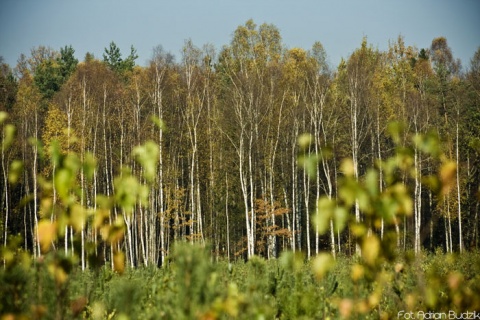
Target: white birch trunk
x=460 y=235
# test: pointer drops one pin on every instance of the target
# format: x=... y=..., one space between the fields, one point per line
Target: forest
x=257 y=151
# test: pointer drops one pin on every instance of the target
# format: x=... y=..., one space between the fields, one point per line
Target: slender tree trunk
x=306 y=194
x=295 y=231
x=417 y=201
x=355 y=149
x=459 y=200
x=430 y=206
x=35 y=188
x=5 y=195
x=227 y=216
x=380 y=169
x=251 y=239
x=82 y=176
x=291 y=239
x=450 y=241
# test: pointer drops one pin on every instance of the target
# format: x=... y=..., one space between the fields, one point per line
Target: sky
x=90 y=25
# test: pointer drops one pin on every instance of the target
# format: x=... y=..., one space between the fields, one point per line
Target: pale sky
x=90 y=25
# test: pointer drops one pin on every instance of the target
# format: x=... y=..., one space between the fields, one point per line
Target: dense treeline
x=227 y=170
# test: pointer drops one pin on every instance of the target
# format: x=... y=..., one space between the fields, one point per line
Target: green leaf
x=63 y=182
x=322 y=263
x=340 y=218
x=309 y=163
x=89 y=166
x=126 y=189
x=403 y=199
x=364 y=202
x=348 y=191
x=325 y=210
x=55 y=153
x=16 y=171
x=395 y=129
x=3 y=116
x=147 y=156
x=304 y=141
x=8 y=136
x=159 y=123
x=72 y=162
x=428 y=143
x=372 y=182
x=78 y=217
x=292 y=261
x=37 y=144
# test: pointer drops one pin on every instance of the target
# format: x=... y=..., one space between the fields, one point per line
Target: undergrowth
x=191 y=286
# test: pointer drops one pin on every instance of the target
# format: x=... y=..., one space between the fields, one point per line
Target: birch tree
x=244 y=66
x=357 y=79
x=446 y=69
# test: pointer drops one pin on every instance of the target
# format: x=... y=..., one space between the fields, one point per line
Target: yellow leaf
x=448 y=176
x=46 y=205
x=347 y=167
x=374 y=300
x=77 y=217
x=358 y=229
x=305 y=140
x=60 y=275
x=47 y=232
x=57 y=272
x=8 y=255
x=101 y=217
x=371 y=249
x=362 y=306
x=16 y=171
x=119 y=262
x=116 y=231
x=358 y=272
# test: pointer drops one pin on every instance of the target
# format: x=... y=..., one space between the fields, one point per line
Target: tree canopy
x=238 y=148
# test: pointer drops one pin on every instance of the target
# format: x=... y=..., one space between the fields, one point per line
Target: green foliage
x=15 y=278
x=48 y=78
x=61 y=209
x=195 y=279
x=52 y=73
x=9 y=86
x=113 y=58
x=191 y=286
x=8 y=133
x=147 y=156
x=382 y=210
x=67 y=61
